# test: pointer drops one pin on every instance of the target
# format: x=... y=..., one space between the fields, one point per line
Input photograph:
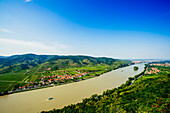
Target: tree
x=135 y=68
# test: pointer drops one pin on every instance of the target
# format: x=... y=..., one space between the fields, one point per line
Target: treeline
x=147 y=94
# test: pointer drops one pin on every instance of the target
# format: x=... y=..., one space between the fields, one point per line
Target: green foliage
x=135 y=68
x=30 y=67
x=149 y=93
x=18 y=63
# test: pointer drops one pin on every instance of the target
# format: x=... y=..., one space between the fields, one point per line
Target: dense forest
x=143 y=93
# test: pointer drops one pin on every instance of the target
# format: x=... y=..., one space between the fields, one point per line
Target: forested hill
x=17 y=63
x=31 y=59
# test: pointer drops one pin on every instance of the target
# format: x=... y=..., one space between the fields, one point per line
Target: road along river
x=37 y=100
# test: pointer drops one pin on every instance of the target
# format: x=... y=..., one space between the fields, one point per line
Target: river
x=37 y=100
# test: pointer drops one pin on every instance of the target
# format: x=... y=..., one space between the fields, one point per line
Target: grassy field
x=5 y=86
x=30 y=68
x=9 y=80
x=35 y=74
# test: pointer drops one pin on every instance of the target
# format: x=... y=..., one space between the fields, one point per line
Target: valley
x=30 y=71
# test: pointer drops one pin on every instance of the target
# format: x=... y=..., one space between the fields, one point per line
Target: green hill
x=18 y=63
x=18 y=70
x=30 y=59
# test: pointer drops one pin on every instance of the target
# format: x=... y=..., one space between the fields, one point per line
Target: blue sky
x=111 y=28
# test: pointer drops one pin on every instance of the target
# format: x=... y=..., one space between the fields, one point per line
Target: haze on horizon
x=125 y=29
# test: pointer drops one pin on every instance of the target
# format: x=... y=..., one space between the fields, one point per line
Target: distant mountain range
x=147 y=59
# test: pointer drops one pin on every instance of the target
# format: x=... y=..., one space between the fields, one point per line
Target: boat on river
x=50 y=98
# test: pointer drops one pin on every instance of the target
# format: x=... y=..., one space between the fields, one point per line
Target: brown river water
x=37 y=100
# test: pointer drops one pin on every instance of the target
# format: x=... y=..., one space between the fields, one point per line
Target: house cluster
x=136 y=62
x=159 y=64
x=29 y=85
x=49 y=80
x=153 y=70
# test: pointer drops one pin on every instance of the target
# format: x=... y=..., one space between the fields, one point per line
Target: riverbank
x=63 y=83
x=147 y=94
x=37 y=100
x=96 y=97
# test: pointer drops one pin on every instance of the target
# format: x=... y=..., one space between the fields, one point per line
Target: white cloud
x=5 y=30
x=11 y=47
x=28 y=0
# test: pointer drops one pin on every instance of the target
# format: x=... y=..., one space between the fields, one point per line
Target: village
x=53 y=80
x=159 y=64
x=153 y=70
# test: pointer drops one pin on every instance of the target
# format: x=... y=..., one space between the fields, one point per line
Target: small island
x=135 y=68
